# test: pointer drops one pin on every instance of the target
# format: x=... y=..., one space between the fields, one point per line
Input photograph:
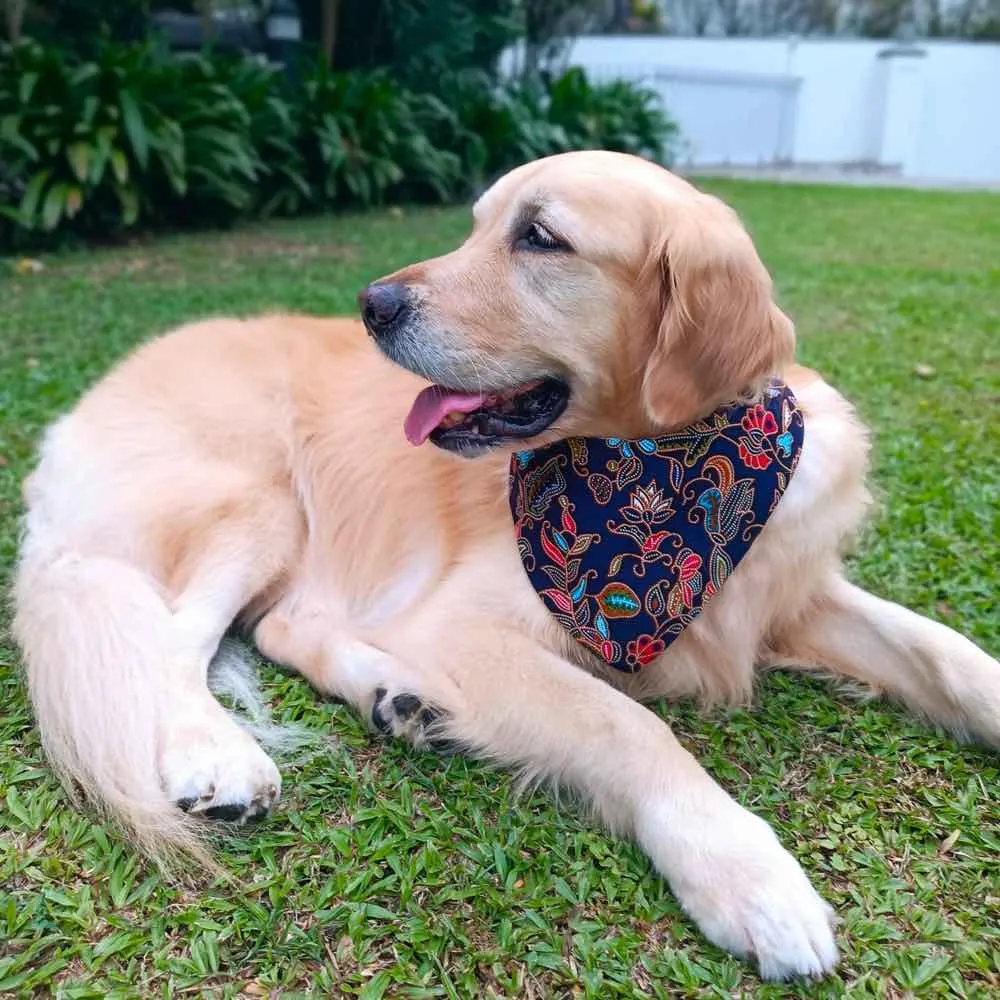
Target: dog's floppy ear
x=720 y=333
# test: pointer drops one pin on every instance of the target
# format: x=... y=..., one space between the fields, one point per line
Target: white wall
x=960 y=133
x=839 y=92
x=939 y=112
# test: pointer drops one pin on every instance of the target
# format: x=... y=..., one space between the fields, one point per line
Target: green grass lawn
x=386 y=872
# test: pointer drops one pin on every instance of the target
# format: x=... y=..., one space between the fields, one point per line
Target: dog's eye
x=537 y=237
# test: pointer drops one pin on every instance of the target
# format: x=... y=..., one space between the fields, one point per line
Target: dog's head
x=598 y=294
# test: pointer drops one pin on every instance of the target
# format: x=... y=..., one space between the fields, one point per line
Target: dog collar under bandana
x=627 y=542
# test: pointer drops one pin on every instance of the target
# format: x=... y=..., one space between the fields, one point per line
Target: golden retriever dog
x=263 y=472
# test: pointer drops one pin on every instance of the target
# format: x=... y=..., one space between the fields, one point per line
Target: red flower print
x=759 y=419
x=759 y=425
x=654 y=541
x=755 y=459
x=645 y=649
x=690 y=566
x=552 y=550
x=569 y=525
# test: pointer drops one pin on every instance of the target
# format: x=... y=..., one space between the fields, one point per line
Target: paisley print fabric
x=626 y=542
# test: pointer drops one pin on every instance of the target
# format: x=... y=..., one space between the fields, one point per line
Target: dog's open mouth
x=463 y=421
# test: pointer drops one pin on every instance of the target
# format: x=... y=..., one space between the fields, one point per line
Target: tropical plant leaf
x=135 y=128
x=79 y=155
x=54 y=206
x=32 y=196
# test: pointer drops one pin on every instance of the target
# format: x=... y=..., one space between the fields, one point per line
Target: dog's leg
x=210 y=765
x=525 y=707
x=935 y=671
x=395 y=699
x=505 y=698
x=117 y=677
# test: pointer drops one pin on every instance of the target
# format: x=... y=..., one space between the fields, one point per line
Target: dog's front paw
x=748 y=894
x=407 y=716
x=218 y=772
x=765 y=909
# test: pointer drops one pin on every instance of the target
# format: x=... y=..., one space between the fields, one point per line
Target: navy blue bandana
x=627 y=542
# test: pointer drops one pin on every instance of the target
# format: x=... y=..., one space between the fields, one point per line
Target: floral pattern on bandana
x=627 y=541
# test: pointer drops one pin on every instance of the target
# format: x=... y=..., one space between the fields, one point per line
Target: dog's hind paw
x=409 y=717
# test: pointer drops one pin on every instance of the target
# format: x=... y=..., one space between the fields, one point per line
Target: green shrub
x=130 y=137
x=417 y=41
x=81 y=27
x=501 y=124
x=364 y=136
x=213 y=134
x=618 y=115
x=274 y=131
x=70 y=137
x=136 y=136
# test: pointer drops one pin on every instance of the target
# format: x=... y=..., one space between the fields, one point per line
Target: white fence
x=927 y=111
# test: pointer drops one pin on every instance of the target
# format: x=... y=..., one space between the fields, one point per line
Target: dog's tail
x=94 y=634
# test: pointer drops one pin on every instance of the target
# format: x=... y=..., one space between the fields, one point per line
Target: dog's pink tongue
x=432 y=406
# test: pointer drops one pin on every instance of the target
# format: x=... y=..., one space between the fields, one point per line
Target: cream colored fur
x=256 y=470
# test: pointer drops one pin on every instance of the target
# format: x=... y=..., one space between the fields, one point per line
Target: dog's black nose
x=382 y=305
